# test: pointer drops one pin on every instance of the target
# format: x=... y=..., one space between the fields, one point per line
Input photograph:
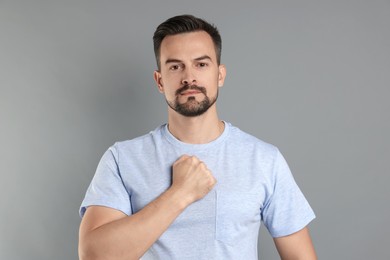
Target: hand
x=192 y=178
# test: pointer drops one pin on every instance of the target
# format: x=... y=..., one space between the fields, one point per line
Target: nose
x=188 y=78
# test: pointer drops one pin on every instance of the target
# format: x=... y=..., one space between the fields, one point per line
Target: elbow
x=87 y=252
x=88 y=255
x=83 y=255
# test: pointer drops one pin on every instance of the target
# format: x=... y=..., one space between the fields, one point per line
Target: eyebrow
x=204 y=57
x=172 y=61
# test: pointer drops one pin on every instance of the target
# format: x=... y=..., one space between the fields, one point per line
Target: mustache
x=191 y=87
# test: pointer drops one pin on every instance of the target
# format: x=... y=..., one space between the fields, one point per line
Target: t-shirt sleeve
x=107 y=188
x=286 y=210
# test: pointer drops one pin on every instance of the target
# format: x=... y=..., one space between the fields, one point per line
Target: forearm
x=130 y=237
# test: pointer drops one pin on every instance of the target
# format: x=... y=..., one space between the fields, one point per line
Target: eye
x=202 y=64
x=175 y=67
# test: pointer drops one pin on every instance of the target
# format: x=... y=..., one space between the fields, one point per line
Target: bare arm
x=297 y=246
x=107 y=233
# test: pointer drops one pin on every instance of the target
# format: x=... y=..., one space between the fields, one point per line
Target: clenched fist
x=192 y=178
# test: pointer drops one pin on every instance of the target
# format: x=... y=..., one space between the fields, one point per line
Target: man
x=197 y=187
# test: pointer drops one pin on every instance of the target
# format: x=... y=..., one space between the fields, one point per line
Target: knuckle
x=194 y=159
x=202 y=166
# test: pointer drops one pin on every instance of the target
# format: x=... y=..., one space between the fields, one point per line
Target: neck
x=195 y=130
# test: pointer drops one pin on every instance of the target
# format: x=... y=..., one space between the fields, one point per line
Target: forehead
x=187 y=45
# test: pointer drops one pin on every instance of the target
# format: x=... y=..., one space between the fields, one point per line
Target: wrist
x=178 y=199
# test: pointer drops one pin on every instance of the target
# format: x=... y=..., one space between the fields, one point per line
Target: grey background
x=311 y=77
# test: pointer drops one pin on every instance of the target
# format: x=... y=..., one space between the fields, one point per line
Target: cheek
x=213 y=83
x=171 y=82
x=170 y=92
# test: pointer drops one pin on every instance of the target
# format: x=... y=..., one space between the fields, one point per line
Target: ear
x=158 y=80
x=221 y=75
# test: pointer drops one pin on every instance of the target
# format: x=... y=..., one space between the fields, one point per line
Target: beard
x=192 y=107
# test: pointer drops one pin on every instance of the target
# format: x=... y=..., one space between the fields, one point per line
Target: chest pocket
x=237 y=216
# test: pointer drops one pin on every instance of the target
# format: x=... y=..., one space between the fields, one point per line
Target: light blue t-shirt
x=254 y=184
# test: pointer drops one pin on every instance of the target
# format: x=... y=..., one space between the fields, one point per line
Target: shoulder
x=138 y=144
x=261 y=154
x=250 y=142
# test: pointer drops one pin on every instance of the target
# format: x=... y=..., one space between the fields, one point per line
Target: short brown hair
x=183 y=24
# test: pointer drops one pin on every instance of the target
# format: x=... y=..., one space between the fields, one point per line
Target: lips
x=190 y=90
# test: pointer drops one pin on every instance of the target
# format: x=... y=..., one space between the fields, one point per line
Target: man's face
x=189 y=76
